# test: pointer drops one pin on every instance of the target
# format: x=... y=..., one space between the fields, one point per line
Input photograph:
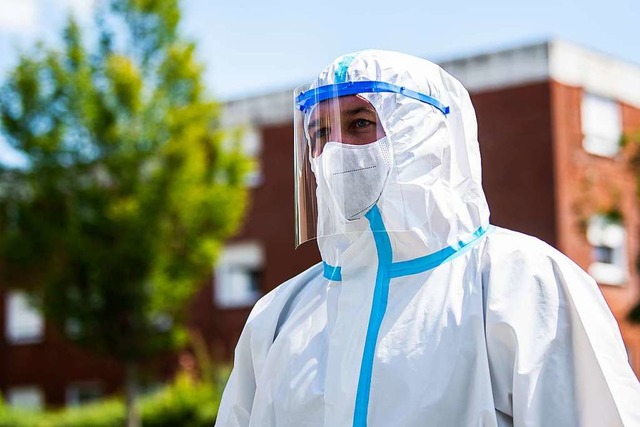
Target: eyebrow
x=357 y=110
x=352 y=112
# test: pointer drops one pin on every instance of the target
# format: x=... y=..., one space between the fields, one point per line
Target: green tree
x=130 y=185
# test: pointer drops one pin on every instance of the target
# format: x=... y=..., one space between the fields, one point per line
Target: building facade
x=551 y=117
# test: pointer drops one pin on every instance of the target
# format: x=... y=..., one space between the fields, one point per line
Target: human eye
x=317 y=138
x=361 y=123
x=320 y=134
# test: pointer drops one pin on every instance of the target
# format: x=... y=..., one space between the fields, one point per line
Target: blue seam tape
x=378 y=309
x=387 y=270
x=422 y=264
x=419 y=265
x=332 y=273
x=343 y=67
x=308 y=99
x=470 y=245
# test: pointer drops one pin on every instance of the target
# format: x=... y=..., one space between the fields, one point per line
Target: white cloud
x=18 y=16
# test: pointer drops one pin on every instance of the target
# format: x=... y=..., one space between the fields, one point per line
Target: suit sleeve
x=555 y=352
x=237 y=398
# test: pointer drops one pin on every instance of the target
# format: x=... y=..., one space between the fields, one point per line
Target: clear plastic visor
x=335 y=118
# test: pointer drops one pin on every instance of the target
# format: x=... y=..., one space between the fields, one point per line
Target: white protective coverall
x=424 y=314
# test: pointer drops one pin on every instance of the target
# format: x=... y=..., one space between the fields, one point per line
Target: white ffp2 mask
x=351 y=178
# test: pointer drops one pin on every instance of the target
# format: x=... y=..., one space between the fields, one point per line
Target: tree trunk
x=131 y=389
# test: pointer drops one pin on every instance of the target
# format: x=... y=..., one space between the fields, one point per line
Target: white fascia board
x=512 y=67
x=262 y=110
x=594 y=72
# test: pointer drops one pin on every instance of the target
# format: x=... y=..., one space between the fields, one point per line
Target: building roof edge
x=595 y=72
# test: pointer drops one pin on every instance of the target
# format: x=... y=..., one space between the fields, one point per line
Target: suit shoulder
x=508 y=245
x=517 y=259
x=275 y=299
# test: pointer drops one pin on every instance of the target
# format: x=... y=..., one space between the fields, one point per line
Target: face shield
x=342 y=154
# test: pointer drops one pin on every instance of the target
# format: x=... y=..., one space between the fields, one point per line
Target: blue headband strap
x=308 y=99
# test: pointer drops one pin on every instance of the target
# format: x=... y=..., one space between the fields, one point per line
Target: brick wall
x=515 y=135
x=588 y=184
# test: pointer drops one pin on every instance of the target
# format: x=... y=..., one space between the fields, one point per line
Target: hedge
x=185 y=402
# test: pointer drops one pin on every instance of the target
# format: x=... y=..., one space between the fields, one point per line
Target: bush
x=185 y=402
x=18 y=418
x=107 y=413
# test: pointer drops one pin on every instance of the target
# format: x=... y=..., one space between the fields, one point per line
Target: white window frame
x=252 y=147
x=28 y=397
x=601 y=125
x=73 y=392
x=232 y=275
x=611 y=234
x=24 y=323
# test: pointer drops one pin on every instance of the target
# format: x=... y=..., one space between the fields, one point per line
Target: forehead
x=343 y=104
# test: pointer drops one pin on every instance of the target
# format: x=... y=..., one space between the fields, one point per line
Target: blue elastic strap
x=332 y=273
x=343 y=66
x=378 y=308
x=308 y=99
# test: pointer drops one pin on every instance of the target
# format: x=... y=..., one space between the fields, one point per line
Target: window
x=84 y=392
x=24 y=323
x=601 y=125
x=25 y=397
x=607 y=236
x=238 y=274
x=252 y=147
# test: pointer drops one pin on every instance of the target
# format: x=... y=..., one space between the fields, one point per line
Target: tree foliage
x=129 y=186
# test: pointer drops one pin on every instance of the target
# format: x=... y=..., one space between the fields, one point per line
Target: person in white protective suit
x=421 y=313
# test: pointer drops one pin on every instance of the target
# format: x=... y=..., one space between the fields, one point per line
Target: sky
x=255 y=47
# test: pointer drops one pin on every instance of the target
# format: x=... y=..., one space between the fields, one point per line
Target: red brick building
x=550 y=118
